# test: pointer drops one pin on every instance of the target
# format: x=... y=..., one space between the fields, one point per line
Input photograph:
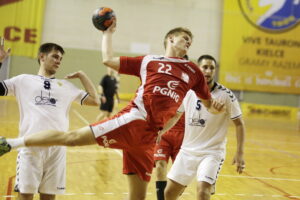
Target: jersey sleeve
x=3 y=89
x=78 y=94
x=10 y=86
x=201 y=88
x=130 y=65
x=233 y=106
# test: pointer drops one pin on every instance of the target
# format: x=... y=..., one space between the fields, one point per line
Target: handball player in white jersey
x=202 y=151
x=165 y=80
x=44 y=104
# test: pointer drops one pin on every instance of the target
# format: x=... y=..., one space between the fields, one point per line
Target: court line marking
x=9 y=187
x=261 y=149
x=258 y=143
x=262 y=178
x=286 y=194
x=81 y=117
x=87 y=123
x=217 y=194
x=89 y=150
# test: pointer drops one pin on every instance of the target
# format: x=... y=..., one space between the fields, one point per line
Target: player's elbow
x=107 y=62
x=95 y=102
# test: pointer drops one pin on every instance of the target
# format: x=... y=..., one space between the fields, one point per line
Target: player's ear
x=41 y=56
x=171 y=38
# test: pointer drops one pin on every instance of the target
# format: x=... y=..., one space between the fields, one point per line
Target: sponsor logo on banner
x=5 y=2
x=264 y=55
x=257 y=111
x=271 y=15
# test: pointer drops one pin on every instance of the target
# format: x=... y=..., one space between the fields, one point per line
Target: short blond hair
x=176 y=31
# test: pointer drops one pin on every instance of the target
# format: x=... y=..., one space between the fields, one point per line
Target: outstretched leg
x=79 y=137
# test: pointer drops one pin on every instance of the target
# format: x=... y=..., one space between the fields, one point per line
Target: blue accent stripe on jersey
x=233 y=118
x=3 y=89
x=85 y=96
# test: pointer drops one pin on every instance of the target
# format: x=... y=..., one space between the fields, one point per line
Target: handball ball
x=103 y=18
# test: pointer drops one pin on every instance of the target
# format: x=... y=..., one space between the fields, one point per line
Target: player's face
x=181 y=42
x=208 y=68
x=51 y=61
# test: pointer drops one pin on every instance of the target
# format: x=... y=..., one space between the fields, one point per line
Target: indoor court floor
x=272 y=155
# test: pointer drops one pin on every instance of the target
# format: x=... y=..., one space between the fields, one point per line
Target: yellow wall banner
x=21 y=25
x=260 y=48
x=259 y=111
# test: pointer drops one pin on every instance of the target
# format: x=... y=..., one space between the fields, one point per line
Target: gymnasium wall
x=141 y=26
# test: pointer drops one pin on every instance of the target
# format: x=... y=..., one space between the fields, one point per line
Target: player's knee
x=161 y=170
x=168 y=193
x=161 y=164
x=24 y=196
x=203 y=193
x=141 y=196
x=137 y=195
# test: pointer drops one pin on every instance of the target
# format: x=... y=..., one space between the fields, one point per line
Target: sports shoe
x=4 y=146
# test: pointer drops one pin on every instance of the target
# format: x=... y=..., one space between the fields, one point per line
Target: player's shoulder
x=25 y=77
x=64 y=82
x=190 y=95
x=223 y=91
x=153 y=57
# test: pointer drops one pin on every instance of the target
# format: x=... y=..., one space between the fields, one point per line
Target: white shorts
x=186 y=166
x=41 y=170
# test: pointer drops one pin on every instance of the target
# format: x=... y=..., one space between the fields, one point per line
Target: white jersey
x=44 y=103
x=206 y=132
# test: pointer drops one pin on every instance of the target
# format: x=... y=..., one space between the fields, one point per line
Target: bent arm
x=93 y=98
x=214 y=106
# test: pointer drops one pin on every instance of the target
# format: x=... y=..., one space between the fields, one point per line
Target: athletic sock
x=16 y=142
x=160 y=188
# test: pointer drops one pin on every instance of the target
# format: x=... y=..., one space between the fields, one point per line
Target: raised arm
x=3 y=54
x=238 y=159
x=107 y=51
x=93 y=98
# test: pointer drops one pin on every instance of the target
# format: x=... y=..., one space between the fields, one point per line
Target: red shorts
x=169 y=145
x=129 y=131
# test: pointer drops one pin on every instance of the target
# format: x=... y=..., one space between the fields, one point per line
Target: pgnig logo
x=272 y=15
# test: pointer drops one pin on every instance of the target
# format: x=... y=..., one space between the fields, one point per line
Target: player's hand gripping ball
x=103 y=17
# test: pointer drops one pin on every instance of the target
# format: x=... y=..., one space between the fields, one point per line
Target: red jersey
x=164 y=83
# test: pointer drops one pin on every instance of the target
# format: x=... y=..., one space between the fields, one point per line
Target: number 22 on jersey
x=164 y=68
